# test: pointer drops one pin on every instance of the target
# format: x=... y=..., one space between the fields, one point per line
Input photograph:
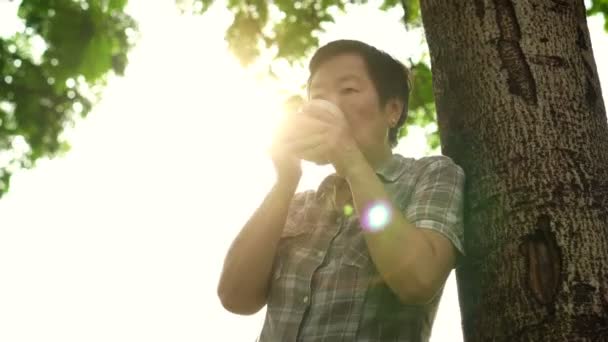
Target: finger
x=317 y=154
x=293 y=124
x=312 y=149
x=322 y=110
x=293 y=104
x=303 y=126
x=297 y=146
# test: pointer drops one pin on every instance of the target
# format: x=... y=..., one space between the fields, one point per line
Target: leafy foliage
x=53 y=71
x=294 y=33
x=597 y=7
x=422 y=103
x=411 y=10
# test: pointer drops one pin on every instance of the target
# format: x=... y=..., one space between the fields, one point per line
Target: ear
x=393 y=110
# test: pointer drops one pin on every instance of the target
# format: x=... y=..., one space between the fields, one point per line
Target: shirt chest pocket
x=291 y=253
x=289 y=276
x=355 y=267
x=356 y=257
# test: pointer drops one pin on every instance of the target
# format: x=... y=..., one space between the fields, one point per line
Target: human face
x=345 y=81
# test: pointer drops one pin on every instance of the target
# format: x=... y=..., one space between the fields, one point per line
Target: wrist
x=352 y=164
x=288 y=183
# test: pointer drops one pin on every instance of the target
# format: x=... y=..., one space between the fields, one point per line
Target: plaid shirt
x=325 y=286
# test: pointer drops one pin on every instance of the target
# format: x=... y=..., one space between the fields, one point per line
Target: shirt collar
x=327 y=185
x=389 y=172
x=392 y=168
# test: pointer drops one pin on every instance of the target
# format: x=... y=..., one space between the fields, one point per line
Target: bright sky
x=123 y=238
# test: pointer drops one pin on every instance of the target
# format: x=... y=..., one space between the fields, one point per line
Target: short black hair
x=391 y=78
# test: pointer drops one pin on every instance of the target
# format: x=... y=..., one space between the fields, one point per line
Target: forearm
x=398 y=249
x=248 y=264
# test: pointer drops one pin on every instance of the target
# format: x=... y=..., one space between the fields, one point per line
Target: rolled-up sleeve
x=295 y=222
x=437 y=202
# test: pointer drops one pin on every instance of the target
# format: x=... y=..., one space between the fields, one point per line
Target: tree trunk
x=520 y=109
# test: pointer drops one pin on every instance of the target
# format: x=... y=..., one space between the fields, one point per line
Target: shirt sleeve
x=297 y=214
x=437 y=201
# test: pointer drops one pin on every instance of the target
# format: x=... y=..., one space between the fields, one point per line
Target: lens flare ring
x=376 y=216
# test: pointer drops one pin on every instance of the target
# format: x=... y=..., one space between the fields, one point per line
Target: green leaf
x=599 y=6
x=421 y=94
x=194 y=6
x=97 y=57
x=388 y=4
x=116 y=5
x=243 y=37
x=412 y=12
x=37 y=104
x=433 y=140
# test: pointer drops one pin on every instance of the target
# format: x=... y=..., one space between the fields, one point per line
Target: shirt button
x=305 y=300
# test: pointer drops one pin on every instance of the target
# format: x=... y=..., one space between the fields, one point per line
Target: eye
x=349 y=90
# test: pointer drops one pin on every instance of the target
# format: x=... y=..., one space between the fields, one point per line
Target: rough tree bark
x=520 y=109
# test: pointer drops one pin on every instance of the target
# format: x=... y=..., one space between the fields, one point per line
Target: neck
x=380 y=157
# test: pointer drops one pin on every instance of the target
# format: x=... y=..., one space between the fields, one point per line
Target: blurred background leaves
x=53 y=71
x=55 y=66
